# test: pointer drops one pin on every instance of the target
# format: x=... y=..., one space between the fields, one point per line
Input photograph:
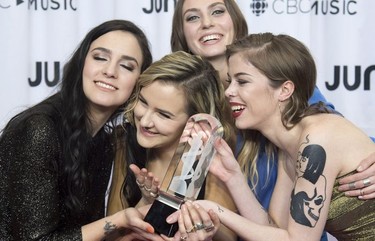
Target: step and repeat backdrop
x=38 y=36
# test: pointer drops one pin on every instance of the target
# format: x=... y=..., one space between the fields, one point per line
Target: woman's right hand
x=147 y=182
x=224 y=165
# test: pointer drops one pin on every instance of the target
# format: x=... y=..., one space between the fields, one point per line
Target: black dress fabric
x=31 y=195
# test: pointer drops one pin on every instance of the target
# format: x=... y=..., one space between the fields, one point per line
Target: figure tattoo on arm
x=309 y=193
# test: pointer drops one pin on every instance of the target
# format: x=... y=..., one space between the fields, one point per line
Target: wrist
x=235 y=180
x=118 y=219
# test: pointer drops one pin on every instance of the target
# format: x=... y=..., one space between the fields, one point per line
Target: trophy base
x=157 y=216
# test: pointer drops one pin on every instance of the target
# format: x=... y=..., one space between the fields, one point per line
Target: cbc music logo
x=258 y=6
x=314 y=7
x=40 y=5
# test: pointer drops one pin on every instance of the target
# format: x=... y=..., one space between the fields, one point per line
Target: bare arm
x=129 y=218
x=227 y=169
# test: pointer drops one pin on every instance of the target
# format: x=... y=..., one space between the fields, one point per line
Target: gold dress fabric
x=350 y=218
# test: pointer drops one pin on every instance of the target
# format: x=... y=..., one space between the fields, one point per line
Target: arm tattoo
x=109 y=227
x=308 y=200
x=219 y=209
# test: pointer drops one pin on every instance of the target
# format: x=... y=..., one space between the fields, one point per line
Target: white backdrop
x=38 y=36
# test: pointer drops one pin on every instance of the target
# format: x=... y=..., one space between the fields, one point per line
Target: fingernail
x=359 y=168
x=150 y=229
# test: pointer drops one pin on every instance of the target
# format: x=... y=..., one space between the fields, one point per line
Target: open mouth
x=104 y=85
x=237 y=110
x=210 y=37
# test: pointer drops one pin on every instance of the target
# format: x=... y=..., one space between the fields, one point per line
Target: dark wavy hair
x=69 y=107
x=75 y=120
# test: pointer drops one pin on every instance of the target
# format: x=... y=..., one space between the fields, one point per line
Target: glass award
x=186 y=172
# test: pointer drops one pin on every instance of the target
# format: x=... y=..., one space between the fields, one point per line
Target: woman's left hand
x=195 y=223
x=361 y=184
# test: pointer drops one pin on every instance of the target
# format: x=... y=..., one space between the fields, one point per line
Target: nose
x=230 y=91
x=110 y=70
x=207 y=22
x=146 y=120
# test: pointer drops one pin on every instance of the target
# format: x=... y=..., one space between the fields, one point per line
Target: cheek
x=88 y=68
x=174 y=130
x=189 y=35
x=127 y=85
x=229 y=26
x=138 y=112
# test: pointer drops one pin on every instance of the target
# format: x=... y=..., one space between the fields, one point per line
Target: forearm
x=245 y=200
x=247 y=229
x=217 y=191
x=101 y=228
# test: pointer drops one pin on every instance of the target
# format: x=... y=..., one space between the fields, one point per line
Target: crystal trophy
x=186 y=172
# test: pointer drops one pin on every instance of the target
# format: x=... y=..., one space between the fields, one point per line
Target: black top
x=31 y=196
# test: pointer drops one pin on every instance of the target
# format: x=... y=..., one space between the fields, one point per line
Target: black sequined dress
x=31 y=196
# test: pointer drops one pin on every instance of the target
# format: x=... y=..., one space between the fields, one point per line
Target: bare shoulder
x=344 y=144
x=333 y=128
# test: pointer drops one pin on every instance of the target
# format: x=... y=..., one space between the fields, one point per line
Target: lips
x=105 y=85
x=237 y=109
x=147 y=132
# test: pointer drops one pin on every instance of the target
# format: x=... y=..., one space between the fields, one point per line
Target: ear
x=286 y=90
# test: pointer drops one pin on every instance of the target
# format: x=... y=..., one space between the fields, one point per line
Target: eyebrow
x=141 y=97
x=241 y=73
x=123 y=57
x=197 y=10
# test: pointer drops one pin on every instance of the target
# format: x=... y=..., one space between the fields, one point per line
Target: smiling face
x=207 y=26
x=253 y=100
x=160 y=116
x=111 y=69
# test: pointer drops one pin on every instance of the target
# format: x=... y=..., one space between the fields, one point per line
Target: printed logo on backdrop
x=40 y=5
x=46 y=72
x=352 y=78
x=157 y=6
x=316 y=7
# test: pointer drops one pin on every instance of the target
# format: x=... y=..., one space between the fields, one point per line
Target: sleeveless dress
x=350 y=218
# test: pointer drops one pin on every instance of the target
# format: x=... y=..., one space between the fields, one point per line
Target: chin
x=242 y=126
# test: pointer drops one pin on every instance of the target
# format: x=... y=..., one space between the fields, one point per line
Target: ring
x=154 y=195
x=209 y=228
x=183 y=238
x=147 y=189
x=352 y=185
x=139 y=184
x=199 y=226
x=366 y=182
x=191 y=230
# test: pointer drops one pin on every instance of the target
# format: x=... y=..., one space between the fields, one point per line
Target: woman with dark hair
x=56 y=157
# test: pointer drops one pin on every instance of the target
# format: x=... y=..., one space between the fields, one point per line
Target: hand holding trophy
x=186 y=172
